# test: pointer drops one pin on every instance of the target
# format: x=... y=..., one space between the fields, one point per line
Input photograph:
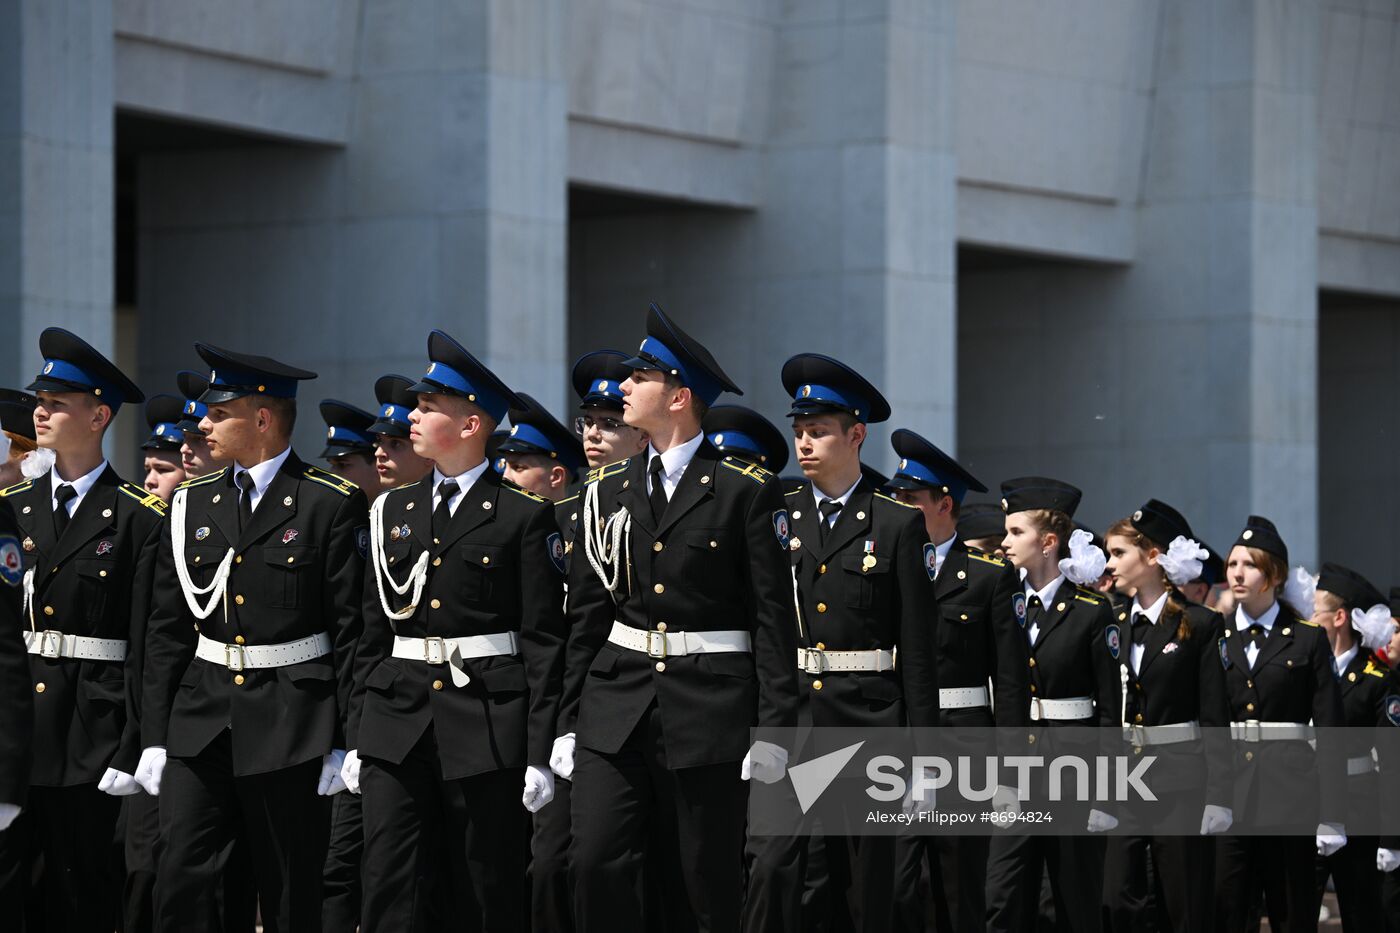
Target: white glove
x=150 y=769
x=331 y=782
x=1215 y=820
x=1387 y=860
x=1101 y=822
x=350 y=771
x=1004 y=800
x=911 y=806
x=561 y=757
x=765 y=763
x=539 y=788
x=8 y=812
x=118 y=783
x=1330 y=838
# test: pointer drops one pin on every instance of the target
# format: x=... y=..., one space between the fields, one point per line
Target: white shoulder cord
x=29 y=597
x=217 y=586
x=417 y=577
x=607 y=543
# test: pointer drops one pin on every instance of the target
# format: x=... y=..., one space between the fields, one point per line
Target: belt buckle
x=233 y=657
x=50 y=643
x=434 y=650
x=656 y=644
x=1137 y=735
x=814 y=661
x=1258 y=734
x=1037 y=710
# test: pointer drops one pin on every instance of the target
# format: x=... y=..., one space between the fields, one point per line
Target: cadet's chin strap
x=417 y=577
x=217 y=587
x=607 y=543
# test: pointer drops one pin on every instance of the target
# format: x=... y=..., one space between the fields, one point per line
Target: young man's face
x=359 y=469
x=607 y=438
x=397 y=464
x=540 y=475
x=824 y=448
x=233 y=428
x=69 y=420
x=441 y=423
x=163 y=473
x=195 y=458
x=648 y=402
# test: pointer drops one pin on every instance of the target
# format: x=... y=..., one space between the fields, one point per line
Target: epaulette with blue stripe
x=17 y=487
x=606 y=470
x=202 y=480
x=903 y=505
x=985 y=558
x=149 y=499
x=752 y=470
x=339 y=483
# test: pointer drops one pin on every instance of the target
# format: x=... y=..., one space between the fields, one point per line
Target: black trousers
x=956 y=879
x=1282 y=868
x=617 y=798
x=340 y=885
x=1358 y=883
x=1390 y=900
x=203 y=810
x=1174 y=895
x=442 y=854
x=141 y=844
x=819 y=884
x=1075 y=865
x=551 y=901
x=57 y=860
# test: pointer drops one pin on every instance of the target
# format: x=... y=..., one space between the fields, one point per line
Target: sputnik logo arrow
x=811 y=778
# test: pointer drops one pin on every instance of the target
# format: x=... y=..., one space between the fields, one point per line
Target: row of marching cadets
x=540 y=694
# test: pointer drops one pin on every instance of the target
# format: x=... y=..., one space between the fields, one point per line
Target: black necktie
x=1034 y=610
x=1141 y=625
x=658 y=489
x=1257 y=635
x=442 y=515
x=828 y=508
x=63 y=495
x=245 y=499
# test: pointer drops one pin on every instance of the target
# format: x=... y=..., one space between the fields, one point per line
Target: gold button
x=661 y=626
x=1031 y=739
x=821 y=646
x=714 y=544
x=1060 y=607
x=391 y=560
x=1138 y=687
x=102 y=573
x=290 y=559
x=238 y=599
x=1352 y=677
x=657 y=546
x=1288 y=663
x=821 y=607
x=238 y=639
x=436 y=604
x=238 y=679
x=437 y=685
x=437 y=561
x=436 y=541
x=1032 y=662
x=660 y=666
x=39 y=688
x=1137 y=718
x=816 y=685
x=1249 y=684
x=821 y=569
x=1032 y=688
x=48 y=610
x=964 y=616
x=1137 y=751
x=658 y=589
x=486 y=560
x=1249 y=707
x=236 y=560
x=1248 y=756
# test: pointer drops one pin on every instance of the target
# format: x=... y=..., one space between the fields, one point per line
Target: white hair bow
x=1299 y=590
x=1086 y=560
x=1374 y=625
x=37 y=462
x=1182 y=561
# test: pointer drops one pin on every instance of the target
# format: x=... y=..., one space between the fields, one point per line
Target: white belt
x=1252 y=730
x=962 y=697
x=1361 y=764
x=1168 y=734
x=54 y=644
x=1072 y=708
x=821 y=661
x=243 y=657
x=437 y=650
x=658 y=644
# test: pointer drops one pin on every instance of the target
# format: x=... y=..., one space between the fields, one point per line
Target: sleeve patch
x=1113 y=636
x=555 y=543
x=1224 y=654
x=362 y=541
x=11 y=563
x=782 y=527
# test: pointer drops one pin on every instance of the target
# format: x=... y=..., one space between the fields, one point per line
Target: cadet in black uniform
x=350 y=445
x=194 y=452
x=682 y=639
x=394 y=459
x=542 y=456
x=983 y=676
x=1356 y=619
x=162 y=448
x=248 y=660
x=1074 y=682
x=1169 y=650
x=89 y=544
x=1282 y=692
x=455 y=689
x=736 y=431
x=860 y=561
x=982 y=525
x=16 y=719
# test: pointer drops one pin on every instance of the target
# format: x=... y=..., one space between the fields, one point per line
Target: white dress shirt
x=1046 y=595
x=1340 y=662
x=81 y=485
x=1243 y=622
x=465 y=481
x=1153 y=612
x=262 y=474
x=673 y=463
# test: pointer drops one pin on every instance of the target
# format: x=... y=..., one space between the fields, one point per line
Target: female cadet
x=1074 y=682
x=1175 y=689
x=1278 y=678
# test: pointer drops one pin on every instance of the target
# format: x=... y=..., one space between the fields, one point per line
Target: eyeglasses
x=609 y=426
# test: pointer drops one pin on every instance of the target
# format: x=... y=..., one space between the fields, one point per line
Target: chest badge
x=201 y=533
x=289 y=535
x=103 y=548
x=394 y=533
x=1170 y=646
x=795 y=543
x=28 y=544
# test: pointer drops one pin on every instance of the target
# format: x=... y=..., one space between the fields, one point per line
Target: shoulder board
x=149 y=499
x=524 y=492
x=339 y=483
x=567 y=499
x=1373 y=670
x=1308 y=622
x=902 y=505
x=985 y=558
x=795 y=491
x=606 y=470
x=1089 y=597
x=17 y=487
x=201 y=480
x=752 y=470
x=407 y=485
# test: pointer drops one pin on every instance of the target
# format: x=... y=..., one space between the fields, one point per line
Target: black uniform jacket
x=715 y=562
x=980 y=638
x=498 y=568
x=866 y=586
x=298 y=571
x=95 y=582
x=1073 y=656
x=1285 y=783
x=1363 y=687
x=16 y=692
x=1180 y=679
